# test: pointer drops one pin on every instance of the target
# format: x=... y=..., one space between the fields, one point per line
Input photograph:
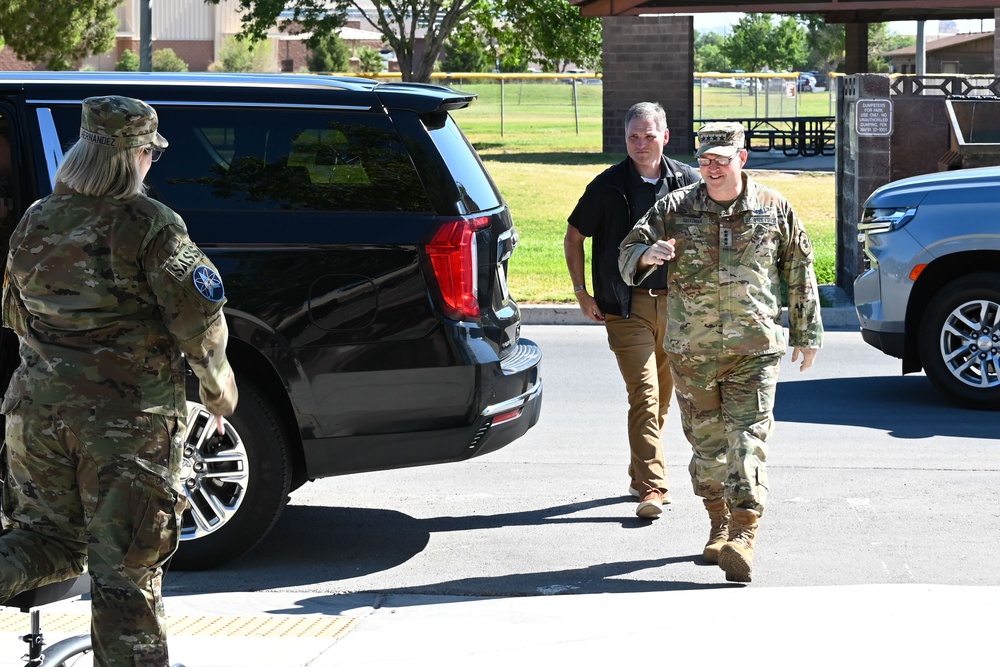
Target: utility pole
x=145 y=35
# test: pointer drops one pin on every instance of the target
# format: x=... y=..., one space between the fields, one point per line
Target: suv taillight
x=453 y=257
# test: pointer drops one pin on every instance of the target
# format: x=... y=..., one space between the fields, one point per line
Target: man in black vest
x=634 y=318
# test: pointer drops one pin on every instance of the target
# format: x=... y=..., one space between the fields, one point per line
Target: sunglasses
x=721 y=161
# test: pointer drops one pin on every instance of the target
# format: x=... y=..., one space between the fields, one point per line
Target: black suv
x=364 y=249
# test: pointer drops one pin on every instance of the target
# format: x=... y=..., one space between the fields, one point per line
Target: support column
x=649 y=59
x=996 y=42
x=856 y=48
x=863 y=164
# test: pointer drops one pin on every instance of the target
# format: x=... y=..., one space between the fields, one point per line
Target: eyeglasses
x=720 y=161
x=154 y=153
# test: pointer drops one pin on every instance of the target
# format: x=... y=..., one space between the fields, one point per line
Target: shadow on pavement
x=357 y=542
x=906 y=407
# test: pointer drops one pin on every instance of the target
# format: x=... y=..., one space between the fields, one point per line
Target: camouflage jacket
x=725 y=280
x=105 y=296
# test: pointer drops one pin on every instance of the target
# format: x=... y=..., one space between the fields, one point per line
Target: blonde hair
x=102 y=171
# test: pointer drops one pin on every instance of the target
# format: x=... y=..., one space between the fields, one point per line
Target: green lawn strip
x=542 y=194
x=542 y=165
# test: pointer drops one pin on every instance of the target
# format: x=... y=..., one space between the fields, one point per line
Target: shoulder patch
x=186 y=256
x=208 y=283
x=804 y=244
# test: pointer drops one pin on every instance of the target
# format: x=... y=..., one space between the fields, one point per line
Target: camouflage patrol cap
x=121 y=122
x=723 y=139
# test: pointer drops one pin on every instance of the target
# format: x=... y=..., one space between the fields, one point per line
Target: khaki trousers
x=637 y=342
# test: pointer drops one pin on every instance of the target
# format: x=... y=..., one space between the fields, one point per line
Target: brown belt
x=660 y=291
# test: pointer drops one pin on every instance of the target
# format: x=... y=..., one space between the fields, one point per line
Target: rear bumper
x=509 y=402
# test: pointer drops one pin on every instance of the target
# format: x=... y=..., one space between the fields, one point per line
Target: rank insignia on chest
x=726 y=237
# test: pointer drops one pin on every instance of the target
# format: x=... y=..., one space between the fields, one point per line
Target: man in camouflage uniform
x=730 y=242
x=107 y=294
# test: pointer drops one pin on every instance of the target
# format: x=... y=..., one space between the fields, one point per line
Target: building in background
x=196 y=31
x=954 y=54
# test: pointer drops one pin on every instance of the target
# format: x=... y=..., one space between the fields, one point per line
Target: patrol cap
x=120 y=122
x=723 y=139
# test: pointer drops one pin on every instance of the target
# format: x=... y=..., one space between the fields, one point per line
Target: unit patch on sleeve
x=209 y=283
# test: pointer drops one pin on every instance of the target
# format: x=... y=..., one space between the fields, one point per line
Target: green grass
x=542 y=166
x=710 y=103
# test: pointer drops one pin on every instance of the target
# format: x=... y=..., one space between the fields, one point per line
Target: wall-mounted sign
x=873 y=118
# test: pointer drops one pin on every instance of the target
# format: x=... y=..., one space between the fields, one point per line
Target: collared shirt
x=725 y=281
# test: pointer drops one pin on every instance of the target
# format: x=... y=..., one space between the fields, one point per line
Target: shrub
x=165 y=60
x=370 y=60
x=240 y=55
x=129 y=62
x=329 y=54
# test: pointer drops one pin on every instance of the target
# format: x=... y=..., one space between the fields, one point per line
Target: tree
x=460 y=56
x=757 y=42
x=56 y=32
x=826 y=43
x=549 y=28
x=708 y=52
x=166 y=60
x=129 y=62
x=551 y=32
x=330 y=54
x=397 y=20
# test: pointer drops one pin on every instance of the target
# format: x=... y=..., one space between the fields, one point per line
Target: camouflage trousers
x=101 y=493
x=726 y=404
x=637 y=342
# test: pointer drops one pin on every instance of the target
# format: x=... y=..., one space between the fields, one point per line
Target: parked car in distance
x=931 y=294
x=807 y=82
x=364 y=249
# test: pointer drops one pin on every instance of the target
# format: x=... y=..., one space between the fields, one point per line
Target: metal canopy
x=835 y=11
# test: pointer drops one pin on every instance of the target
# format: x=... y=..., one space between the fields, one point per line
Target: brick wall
x=9 y=62
x=649 y=59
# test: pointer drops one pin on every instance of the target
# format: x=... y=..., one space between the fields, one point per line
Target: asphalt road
x=875 y=480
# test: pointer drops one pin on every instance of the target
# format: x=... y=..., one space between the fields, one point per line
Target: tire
x=73 y=652
x=959 y=341
x=236 y=486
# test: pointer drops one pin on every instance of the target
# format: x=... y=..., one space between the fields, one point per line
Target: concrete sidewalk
x=905 y=624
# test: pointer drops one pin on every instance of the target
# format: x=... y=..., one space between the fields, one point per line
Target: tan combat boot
x=718 y=513
x=736 y=556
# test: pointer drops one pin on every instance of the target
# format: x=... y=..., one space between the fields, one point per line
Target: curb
x=841 y=316
x=835 y=318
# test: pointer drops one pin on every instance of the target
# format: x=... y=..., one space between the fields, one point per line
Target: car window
x=474 y=184
x=279 y=159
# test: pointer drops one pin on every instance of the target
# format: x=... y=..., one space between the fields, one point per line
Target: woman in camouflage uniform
x=107 y=294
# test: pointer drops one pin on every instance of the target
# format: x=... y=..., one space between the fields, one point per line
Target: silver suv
x=931 y=294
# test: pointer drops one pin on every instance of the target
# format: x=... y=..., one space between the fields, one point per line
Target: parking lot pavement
x=912 y=624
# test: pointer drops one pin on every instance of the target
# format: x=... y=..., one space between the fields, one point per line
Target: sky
x=719 y=20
